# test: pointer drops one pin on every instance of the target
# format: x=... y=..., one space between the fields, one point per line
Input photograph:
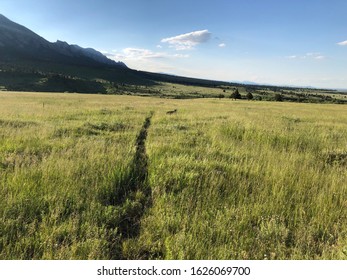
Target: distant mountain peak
x=58 y=42
x=18 y=42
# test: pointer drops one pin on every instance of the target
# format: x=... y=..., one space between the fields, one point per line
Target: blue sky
x=296 y=42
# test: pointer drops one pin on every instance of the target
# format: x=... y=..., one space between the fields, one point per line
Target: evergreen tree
x=249 y=95
x=235 y=94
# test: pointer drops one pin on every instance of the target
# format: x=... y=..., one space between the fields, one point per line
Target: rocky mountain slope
x=18 y=43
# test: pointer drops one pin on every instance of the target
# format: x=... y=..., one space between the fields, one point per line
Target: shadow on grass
x=135 y=193
x=132 y=195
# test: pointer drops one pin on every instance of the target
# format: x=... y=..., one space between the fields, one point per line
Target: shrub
x=278 y=97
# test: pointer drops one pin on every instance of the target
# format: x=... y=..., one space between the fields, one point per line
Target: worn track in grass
x=135 y=194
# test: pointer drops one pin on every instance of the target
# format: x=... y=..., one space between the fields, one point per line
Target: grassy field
x=116 y=177
x=259 y=93
x=78 y=79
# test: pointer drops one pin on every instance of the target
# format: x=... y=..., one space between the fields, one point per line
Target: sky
x=279 y=42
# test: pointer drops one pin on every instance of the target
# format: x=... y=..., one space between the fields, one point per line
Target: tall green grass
x=86 y=177
x=247 y=181
x=63 y=160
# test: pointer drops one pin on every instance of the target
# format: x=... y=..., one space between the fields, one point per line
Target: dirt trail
x=140 y=162
x=131 y=197
x=135 y=195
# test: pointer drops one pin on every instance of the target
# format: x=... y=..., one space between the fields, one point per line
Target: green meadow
x=116 y=177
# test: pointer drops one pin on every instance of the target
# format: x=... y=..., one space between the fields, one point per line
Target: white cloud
x=319 y=57
x=159 y=46
x=315 y=56
x=222 y=45
x=136 y=54
x=141 y=53
x=177 y=55
x=189 y=40
x=148 y=60
x=344 y=43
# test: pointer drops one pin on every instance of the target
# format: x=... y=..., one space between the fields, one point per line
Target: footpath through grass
x=99 y=177
x=246 y=180
x=64 y=163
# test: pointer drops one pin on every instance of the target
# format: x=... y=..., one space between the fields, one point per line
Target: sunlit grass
x=247 y=181
x=63 y=157
x=228 y=179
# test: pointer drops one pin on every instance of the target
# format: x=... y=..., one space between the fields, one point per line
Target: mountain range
x=18 y=43
x=29 y=62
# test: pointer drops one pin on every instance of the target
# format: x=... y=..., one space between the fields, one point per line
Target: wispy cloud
x=147 y=59
x=187 y=41
x=344 y=43
x=135 y=53
x=313 y=55
x=222 y=45
x=178 y=55
x=140 y=54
